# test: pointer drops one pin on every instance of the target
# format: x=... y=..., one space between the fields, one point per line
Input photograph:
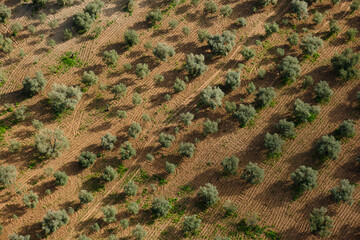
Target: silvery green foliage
x=166 y=139
x=310 y=44
x=51 y=143
x=252 y=173
x=160 y=206
x=109 y=174
x=208 y=195
x=89 y=78
x=186 y=149
x=64 y=98
x=233 y=79
x=327 y=147
x=109 y=213
x=7 y=175
x=304 y=178
x=138 y=232
x=344 y=192
x=32 y=86
x=221 y=44
x=191 y=224
x=31 y=199
x=163 y=51
x=53 y=220
x=320 y=223
x=289 y=69
x=195 y=64
x=230 y=165
x=300 y=8
x=108 y=141
x=212 y=97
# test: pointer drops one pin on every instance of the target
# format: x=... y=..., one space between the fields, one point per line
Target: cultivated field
x=281 y=213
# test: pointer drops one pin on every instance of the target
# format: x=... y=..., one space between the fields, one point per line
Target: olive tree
x=230 y=165
x=211 y=97
x=82 y=22
x=210 y=7
x=53 y=220
x=328 y=148
x=232 y=80
x=32 y=86
x=195 y=65
x=179 y=85
x=304 y=179
x=109 y=214
x=203 y=35
x=138 y=232
x=253 y=174
x=86 y=159
x=289 y=69
x=130 y=188
x=166 y=139
x=5 y=13
x=16 y=236
x=110 y=57
x=109 y=174
x=344 y=192
x=344 y=64
x=64 y=98
x=286 y=128
x=31 y=199
x=208 y=195
x=131 y=37
x=154 y=17
x=61 y=178
x=186 y=149
x=20 y=113
x=119 y=90
x=5 y=44
x=244 y=114
x=94 y=8
x=248 y=53
x=133 y=208
x=160 y=207
x=108 y=141
x=85 y=197
x=170 y=167
x=293 y=39
x=271 y=28
x=186 y=118
x=351 y=34
x=127 y=151
x=7 y=175
x=346 y=129
x=265 y=96
x=142 y=70
x=323 y=92
x=320 y=223
x=89 y=78
x=334 y=27
x=226 y=10
x=221 y=44
x=300 y=8
x=191 y=224
x=310 y=44
x=273 y=143
x=303 y=112
x=50 y=143
x=210 y=127
x=163 y=51
x=230 y=209
x=134 y=130
x=318 y=17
